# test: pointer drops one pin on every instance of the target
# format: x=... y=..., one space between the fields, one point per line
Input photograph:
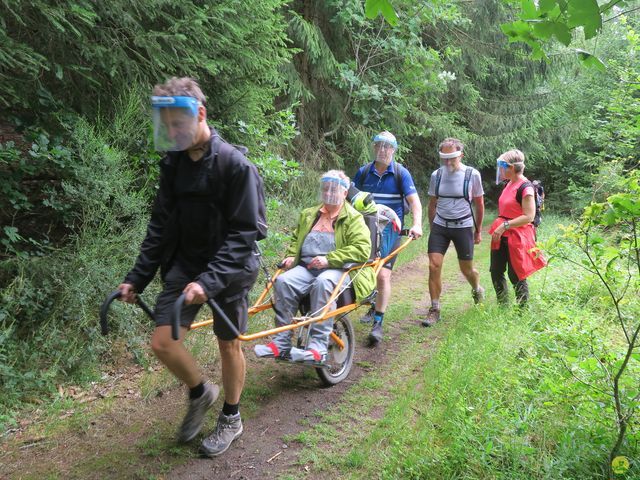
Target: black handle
x=215 y=308
x=177 y=310
x=104 y=309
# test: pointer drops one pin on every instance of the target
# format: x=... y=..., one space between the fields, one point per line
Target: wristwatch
x=506 y=225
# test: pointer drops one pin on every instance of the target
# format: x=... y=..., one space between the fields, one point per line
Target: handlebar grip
x=177 y=311
x=104 y=309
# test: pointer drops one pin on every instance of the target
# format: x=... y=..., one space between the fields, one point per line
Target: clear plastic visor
x=333 y=190
x=175 y=123
x=383 y=152
x=501 y=167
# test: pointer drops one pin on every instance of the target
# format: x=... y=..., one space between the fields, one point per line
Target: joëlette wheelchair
x=341 y=348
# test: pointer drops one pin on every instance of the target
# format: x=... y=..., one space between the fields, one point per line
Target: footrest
x=309 y=363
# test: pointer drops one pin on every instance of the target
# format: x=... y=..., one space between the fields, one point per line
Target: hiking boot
x=432 y=317
x=228 y=428
x=478 y=295
x=375 y=336
x=194 y=419
x=367 y=317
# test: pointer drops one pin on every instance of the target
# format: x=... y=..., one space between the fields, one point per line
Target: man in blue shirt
x=390 y=184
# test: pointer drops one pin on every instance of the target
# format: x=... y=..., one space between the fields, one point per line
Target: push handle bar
x=104 y=309
x=215 y=308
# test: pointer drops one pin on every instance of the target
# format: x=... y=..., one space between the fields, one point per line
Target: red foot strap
x=316 y=355
x=274 y=349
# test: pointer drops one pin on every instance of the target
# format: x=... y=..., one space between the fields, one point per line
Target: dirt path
x=135 y=439
x=262 y=451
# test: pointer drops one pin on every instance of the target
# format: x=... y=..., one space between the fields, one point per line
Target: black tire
x=339 y=362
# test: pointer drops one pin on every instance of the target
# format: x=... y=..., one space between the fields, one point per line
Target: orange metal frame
x=264 y=303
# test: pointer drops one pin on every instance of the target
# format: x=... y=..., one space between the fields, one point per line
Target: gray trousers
x=290 y=288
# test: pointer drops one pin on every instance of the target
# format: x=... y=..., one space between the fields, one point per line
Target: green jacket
x=353 y=245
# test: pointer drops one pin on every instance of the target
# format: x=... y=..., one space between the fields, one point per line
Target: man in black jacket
x=202 y=234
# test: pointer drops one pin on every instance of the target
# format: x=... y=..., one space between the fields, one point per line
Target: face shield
x=333 y=190
x=175 y=122
x=501 y=168
x=383 y=148
x=450 y=160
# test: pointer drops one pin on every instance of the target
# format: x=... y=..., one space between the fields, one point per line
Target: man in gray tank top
x=454 y=190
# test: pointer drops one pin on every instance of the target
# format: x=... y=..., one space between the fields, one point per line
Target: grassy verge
x=500 y=396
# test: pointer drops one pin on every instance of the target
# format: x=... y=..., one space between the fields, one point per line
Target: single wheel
x=339 y=361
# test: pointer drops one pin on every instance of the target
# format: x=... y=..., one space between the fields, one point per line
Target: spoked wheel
x=339 y=361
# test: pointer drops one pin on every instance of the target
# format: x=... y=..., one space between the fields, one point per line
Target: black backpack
x=465 y=194
x=537 y=196
x=222 y=161
x=397 y=174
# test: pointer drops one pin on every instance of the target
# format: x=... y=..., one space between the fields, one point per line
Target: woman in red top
x=513 y=236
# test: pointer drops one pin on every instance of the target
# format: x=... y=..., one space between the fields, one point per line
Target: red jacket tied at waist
x=524 y=256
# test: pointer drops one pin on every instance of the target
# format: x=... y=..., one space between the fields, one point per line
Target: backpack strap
x=364 y=171
x=521 y=189
x=438 y=180
x=397 y=173
x=465 y=184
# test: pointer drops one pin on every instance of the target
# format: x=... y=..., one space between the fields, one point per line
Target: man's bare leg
x=173 y=354
x=471 y=274
x=435 y=276
x=233 y=370
x=382 y=301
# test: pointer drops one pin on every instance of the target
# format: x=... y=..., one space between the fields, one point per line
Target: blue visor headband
x=189 y=103
x=340 y=181
x=380 y=138
x=503 y=164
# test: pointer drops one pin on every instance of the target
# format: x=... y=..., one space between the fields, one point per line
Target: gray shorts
x=233 y=301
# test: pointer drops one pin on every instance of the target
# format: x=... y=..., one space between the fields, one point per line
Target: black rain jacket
x=229 y=219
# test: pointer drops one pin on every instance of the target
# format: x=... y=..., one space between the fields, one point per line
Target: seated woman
x=328 y=236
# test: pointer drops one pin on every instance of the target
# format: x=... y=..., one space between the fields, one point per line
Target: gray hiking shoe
x=228 y=428
x=432 y=317
x=478 y=295
x=194 y=419
x=375 y=337
x=367 y=317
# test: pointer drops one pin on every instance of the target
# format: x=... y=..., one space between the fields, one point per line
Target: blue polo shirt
x=384 y=188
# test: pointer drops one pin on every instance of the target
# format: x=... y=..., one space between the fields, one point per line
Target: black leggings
x=500 y=262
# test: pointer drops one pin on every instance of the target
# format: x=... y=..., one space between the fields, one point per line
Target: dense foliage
x=304 y=84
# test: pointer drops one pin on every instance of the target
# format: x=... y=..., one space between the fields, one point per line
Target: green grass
x=494 y=399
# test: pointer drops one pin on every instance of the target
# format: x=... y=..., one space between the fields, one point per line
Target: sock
x=378 y=316
x=435 y=304
x=197 y=391
x=228 y=409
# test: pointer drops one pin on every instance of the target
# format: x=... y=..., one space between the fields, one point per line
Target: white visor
x=447 y=156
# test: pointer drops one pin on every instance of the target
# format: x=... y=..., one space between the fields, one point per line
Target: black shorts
x=440 y=237
x=233 y=301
